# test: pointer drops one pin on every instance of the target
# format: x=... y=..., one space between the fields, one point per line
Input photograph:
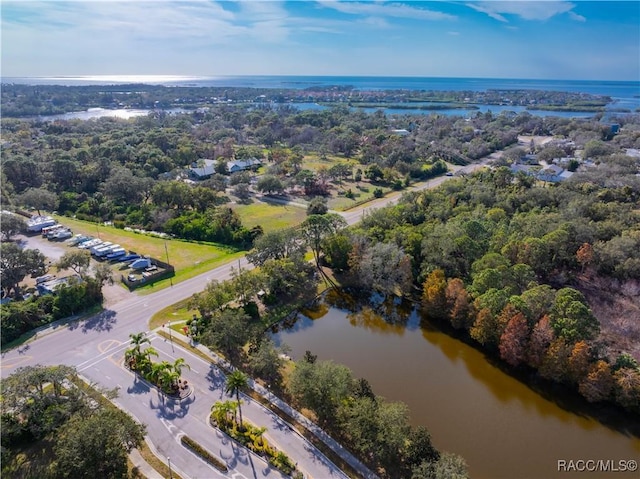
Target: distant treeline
x=32 y=100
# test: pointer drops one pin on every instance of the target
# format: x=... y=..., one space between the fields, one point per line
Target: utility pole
x=170 y=473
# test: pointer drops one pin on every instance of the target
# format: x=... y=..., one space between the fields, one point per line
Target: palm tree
x=221 y=411
x=143 y=360
x=133 y=356
x=156 y=371
x=168 y=379
x=179 y=364
x=138 y=340
x=236 y=381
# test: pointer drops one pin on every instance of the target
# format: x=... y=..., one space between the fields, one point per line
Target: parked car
x=115 y=254
x=103 y=252
x=100 y=246
x=128 y=258
x=142 y=263
x=44 y=279
x=90 y=244
x=61 y=235
x=77 y=239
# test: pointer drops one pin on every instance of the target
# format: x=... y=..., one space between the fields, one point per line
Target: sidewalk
x=274 y=400
x=143 y=466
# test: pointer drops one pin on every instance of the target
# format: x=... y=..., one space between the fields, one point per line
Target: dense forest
x=544 y=276
x=135 y=172
x=520 y=268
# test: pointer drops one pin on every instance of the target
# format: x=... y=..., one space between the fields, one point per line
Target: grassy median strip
x=203 y=453
x=312 y=438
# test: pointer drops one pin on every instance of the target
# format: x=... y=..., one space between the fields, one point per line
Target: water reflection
x=504 y=427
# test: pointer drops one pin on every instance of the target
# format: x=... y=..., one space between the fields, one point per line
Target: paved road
x=167 y=420
x=96 y=346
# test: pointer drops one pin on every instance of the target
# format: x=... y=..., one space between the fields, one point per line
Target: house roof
x=203 y=168
x=243 y=164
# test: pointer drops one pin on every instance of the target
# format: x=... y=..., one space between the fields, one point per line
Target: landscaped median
x=205 y=455
x=224 y=417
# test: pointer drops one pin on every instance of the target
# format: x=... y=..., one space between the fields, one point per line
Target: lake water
x=93 y=113
x=123 y=113
x=498 y=424
x=626 y=94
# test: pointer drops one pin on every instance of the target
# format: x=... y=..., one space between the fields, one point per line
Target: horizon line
x=176 y=78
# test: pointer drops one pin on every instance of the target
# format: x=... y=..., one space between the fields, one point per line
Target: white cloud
x=527 y=10
x=378 y=9
x=576 y=17
x=377 y=22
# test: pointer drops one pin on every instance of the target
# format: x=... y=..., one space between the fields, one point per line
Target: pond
x=500 y=426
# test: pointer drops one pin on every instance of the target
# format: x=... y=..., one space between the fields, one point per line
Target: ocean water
x=616 y=89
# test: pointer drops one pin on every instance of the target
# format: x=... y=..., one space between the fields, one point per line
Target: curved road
x=96 y=348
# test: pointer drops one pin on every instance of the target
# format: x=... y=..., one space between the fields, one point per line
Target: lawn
x=270 y=216
x=188 y=258
x=312 y=161
x=362 y=191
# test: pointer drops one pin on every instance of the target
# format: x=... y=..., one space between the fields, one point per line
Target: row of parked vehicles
x=57 y=232
x=107 y=251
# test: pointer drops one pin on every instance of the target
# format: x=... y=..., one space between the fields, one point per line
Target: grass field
x=189 y=259
x=270 y=216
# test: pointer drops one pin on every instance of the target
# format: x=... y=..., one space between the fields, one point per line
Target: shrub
x=203 y=453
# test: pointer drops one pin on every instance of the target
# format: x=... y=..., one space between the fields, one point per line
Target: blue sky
x=586 y=40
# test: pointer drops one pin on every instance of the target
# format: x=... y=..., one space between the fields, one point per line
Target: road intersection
x=96 y=348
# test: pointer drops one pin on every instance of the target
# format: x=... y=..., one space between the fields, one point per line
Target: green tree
x=317 y=206
x=419 y=449
x=132 y=354
x=484 y=328
x=11 y=225
x=103 y=274
x=287 y=279
x=571 y=318
x=213 y=299
x=338 y=248
x=384 y=267
x=222 y=410
x=37 y=396
x=39 y=199
x=77 y=259
x=227 y=332
x=266 y=362
x=16 y=263
x=320 y=387
x=316 y=228
x=449 y=466
x=236 y=381
x=270 y=184
x=242 y=192
x=278 y=244
x=96 y=446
